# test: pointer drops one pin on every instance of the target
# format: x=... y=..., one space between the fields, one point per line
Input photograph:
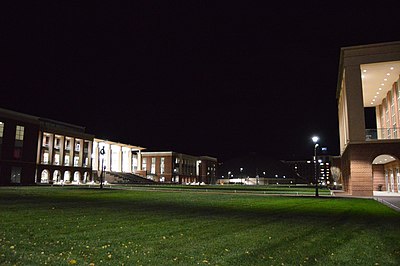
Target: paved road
x=393 y=202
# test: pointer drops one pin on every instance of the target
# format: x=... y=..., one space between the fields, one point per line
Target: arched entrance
x=77 y=177
x=56 y=177
x=44 y=176
x=86 y=177
x=386 y=173
x=67 y=176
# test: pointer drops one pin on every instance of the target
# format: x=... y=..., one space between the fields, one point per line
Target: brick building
x=38 y=150
x=369 y=79
x=18 y=146
x=173 y=167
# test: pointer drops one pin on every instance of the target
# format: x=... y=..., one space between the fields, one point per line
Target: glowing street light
x=315 y=140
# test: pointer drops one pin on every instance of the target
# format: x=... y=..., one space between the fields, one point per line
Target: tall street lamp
x=102 y=152
x=315 y=140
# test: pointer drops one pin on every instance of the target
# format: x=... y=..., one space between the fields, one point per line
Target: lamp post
x=241 y=175
x=102 y=152
x=315 y=140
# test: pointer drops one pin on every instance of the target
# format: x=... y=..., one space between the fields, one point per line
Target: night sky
x=197 y=77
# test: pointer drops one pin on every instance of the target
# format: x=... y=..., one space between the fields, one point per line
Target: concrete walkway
x=390 y=201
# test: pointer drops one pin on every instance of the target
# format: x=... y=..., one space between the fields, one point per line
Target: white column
x=139 y=158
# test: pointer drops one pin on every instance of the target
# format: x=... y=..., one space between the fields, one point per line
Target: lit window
x=144 y=164
x=1 y=129
x=153 y=165
x=16 y=175
x=19 y=133
x=162 y=165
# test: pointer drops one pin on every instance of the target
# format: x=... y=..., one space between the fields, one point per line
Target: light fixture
x=387 y=74
x=383 y=84
x=373 y=100
x=380 y=89
x=364 y=70
x=377 y=92
x=375 y=96
x=385 y=79
x=391 y=68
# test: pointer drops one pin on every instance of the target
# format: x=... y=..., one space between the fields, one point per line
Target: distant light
x=373 y=100
x=375 y=96
x=385 y=79
x=383 y=84
x=276 y=175
x=377 y=92
x=315 y=139
x=380 y=89
x=364 y=70
x=391 y=68
x=387 y=74
x=241 y=168
x=308 y=161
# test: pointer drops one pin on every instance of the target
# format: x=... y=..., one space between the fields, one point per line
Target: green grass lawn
x=267 y=189
x=64 y=225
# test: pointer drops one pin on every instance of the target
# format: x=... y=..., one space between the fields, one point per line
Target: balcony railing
x=382 y=133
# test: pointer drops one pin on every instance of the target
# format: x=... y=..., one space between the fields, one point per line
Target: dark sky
x=197 y=77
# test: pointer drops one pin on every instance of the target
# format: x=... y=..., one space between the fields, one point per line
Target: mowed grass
x=263 y=189
x=64 y=226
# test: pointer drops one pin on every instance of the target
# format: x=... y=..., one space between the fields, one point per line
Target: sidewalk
x=390 y=201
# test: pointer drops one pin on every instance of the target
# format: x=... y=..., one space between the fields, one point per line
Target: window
x=162 y=165
x=16 y=175
x=398 y=96
x=1 y=129
x=19 y=133
x=387 y=119
x=57 y=159
x=68 y=144
x=46 y=158
x=153 y=165
x=144 y=164
x=66 y=160
x=77 y=145
x=46 y=141
x=1 y=135
x=19 y=142
x=57 y=144
x=76 y=161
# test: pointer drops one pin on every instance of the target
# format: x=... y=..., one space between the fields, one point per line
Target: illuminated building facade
x=173 y=167
x=118 y=157
x=63 y=153
x=39 y=150
x=369 y=79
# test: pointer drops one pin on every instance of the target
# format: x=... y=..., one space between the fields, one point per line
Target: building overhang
x=132 y=147
x=366 y=54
